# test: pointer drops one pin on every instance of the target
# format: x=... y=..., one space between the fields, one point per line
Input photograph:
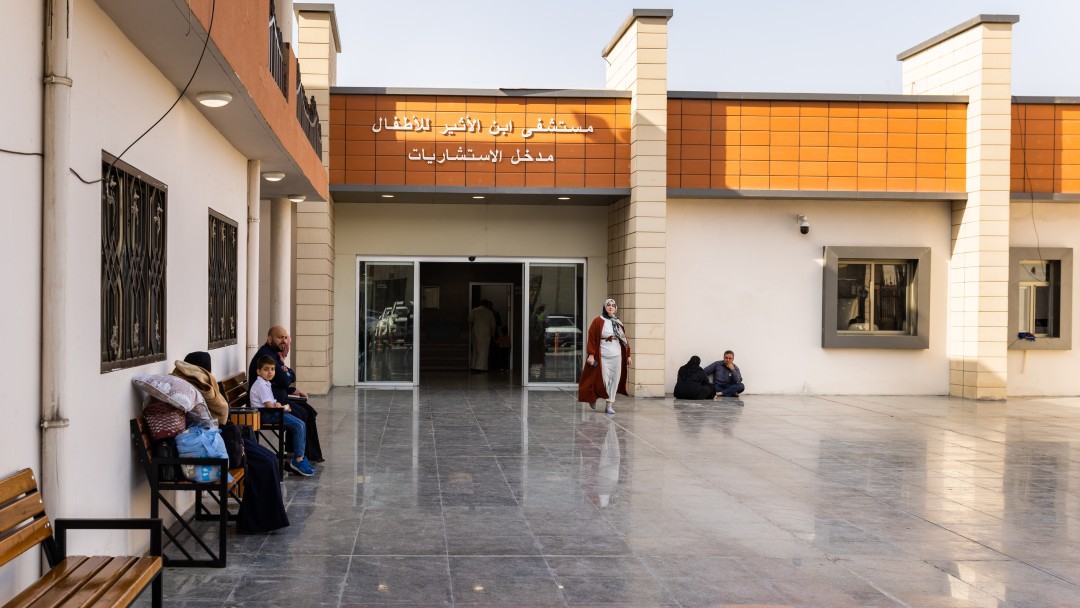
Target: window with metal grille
x=222 y=276
x=133 y=254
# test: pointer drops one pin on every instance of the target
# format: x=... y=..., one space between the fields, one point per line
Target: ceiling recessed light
x=297 y=198
x=564 y=198
x=214 y=99
x=388 y=196
x=478 y=197
x=273 y=176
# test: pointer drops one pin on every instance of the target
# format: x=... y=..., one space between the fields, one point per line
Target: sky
x=792 y=46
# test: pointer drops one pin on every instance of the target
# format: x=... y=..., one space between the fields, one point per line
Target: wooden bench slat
x=90 y=581
x=25 y=538
x=17 y=484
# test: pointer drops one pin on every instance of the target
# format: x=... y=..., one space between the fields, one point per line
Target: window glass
x=874 y=296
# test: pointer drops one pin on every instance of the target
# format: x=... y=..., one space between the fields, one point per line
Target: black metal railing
x=278 y=52
x=307 y=112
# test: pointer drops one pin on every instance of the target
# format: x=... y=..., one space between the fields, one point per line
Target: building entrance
x=413 y=317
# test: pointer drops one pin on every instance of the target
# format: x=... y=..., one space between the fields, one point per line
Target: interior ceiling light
x=388 y=196
x=478 y=197
x=273 y=176
x=214 y=99
x=564 y=198
x=297 y=198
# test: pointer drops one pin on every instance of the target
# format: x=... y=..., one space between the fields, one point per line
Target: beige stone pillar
x=975 y=59
x=281 y=262
x=317 y=48
x=637 y=227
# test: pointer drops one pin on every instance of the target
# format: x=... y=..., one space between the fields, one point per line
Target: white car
x=562 y=328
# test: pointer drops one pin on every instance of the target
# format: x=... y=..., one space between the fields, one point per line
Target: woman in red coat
x=608 y=356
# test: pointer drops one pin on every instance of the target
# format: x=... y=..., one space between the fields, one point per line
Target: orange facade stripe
x=825 y=145
x=483 y=142
x=1045 y=148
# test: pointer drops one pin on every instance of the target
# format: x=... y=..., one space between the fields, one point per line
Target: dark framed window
x=134 y=215
x=222 y=276
x=1040 y=298
x=876 y=297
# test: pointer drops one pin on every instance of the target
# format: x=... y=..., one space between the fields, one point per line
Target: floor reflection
x=471 y=490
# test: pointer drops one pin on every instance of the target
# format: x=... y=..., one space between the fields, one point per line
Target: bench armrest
x=153 y=524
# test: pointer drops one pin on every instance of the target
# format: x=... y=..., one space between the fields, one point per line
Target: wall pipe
x=54 y=251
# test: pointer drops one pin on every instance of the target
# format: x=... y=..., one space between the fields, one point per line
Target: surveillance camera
x=472 y=258
x=804 y=224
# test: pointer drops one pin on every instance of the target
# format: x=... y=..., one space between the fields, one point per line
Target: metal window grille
x=133 y=254
x=278 y=52
x=222 y=277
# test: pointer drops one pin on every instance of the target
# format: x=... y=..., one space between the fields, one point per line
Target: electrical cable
x=1021 y=122
x=6 y=151
x=206 y=43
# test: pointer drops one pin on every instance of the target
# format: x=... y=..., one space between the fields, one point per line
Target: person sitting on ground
x=727 y=378
x=693 y=382
x=262 y=396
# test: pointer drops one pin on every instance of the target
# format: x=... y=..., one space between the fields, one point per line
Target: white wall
x=741 y=277
x=116 y=95
x=457 y=230
x=1047 y=372
x=21 y=98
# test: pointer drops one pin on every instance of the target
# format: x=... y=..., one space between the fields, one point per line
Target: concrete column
x=637 y=227
x=281 y=263
x=317 y=49
x=975 y=59
x=254 y=187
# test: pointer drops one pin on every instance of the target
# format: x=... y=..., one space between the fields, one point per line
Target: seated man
x=726 y=376
x=277 y=348
x=262 y=397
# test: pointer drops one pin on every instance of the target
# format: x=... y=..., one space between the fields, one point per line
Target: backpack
x=166 y=448
x=234 y=445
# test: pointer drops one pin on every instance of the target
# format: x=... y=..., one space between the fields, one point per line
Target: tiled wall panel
x=364 y=150
x=808 y=145
x=1045 y=148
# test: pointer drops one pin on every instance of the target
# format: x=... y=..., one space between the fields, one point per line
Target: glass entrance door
x=385 y=326
x=555 y=323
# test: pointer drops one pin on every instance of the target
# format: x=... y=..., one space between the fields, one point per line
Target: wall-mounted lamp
x=214 y=99
x=297 y=198
x=804 y=224
x=273 y=176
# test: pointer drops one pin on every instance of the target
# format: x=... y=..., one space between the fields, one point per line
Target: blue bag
x=196 y=442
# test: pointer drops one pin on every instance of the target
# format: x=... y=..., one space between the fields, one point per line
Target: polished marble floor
x=472 y=492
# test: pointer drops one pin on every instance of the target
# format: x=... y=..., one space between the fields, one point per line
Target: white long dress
x=610 y=359
x=482 y=326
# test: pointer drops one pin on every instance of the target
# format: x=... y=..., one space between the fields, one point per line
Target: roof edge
x=637 y=13
x=953 y=31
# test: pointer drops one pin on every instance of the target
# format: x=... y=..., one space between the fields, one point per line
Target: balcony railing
x=278 y=52
x=307 y=112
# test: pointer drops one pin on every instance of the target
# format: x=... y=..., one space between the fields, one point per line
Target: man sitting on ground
x=262 y=396
x=726 y=376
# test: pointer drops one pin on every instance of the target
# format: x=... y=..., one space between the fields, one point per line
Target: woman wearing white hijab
x=608 y=357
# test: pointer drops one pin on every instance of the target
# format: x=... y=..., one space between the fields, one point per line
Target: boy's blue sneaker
x=302 y=467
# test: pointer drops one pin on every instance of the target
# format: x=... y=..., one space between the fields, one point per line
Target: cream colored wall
x=756 y=289
x=1046 y=372
x=116 y=95
x=517 y=231
x=21 y=97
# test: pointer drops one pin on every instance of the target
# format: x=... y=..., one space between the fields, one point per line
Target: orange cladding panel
x=1045 y=148
x=484 y=142
x=819 y=145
